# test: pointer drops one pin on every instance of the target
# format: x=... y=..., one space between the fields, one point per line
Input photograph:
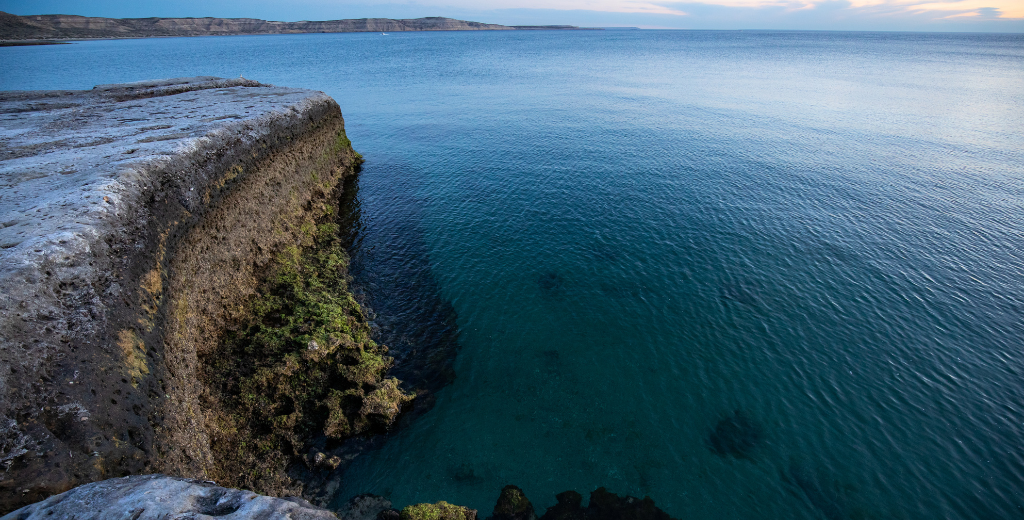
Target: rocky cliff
x=147 y=231
x=62 y=26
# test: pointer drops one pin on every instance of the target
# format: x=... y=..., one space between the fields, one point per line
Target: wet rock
x=365 y=507
x=513 y=505
x=569 y=507
x=439 y=511
x=609 y=506
x=152 y=497
x=464 y=473
x=736 y=435
x=389 y=514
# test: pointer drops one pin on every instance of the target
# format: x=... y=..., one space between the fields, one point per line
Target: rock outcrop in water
x=141 y=223
x=63 y=26
x=512 y=504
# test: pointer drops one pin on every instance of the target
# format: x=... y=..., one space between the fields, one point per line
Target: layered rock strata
x=63 y=26
x=136 y=223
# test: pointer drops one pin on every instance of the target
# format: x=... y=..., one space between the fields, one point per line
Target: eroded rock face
x=158 y=497
x=135 y=221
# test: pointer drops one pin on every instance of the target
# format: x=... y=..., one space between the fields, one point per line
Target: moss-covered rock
x=439 y=511
x=513 y=505
x=302 y=366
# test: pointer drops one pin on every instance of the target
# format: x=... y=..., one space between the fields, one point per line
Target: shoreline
x=137 y=234
x=73 y=27
x=171 y=328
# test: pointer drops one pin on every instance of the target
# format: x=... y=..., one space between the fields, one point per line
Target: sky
x=856 y=15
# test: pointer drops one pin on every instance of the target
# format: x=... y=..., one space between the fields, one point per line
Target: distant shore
x=43 y=29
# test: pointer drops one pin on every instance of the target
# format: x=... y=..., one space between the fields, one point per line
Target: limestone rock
x=153 y=497
x=134 y=220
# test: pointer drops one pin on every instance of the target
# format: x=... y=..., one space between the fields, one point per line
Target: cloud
x=608 y=6
x=991 y=9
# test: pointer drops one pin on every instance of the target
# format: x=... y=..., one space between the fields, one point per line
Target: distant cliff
x=63 y=26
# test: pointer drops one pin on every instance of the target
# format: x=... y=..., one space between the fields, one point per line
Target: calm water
x=638 y=233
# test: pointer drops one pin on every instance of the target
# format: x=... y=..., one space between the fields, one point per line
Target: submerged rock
x=464 y=473
x=364 y=507
x=153 y=497
x=736 y=435
x=550 y=282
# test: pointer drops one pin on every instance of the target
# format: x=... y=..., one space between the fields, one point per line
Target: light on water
x=751 y=275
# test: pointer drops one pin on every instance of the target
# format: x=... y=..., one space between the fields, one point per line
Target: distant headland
x=63 y=26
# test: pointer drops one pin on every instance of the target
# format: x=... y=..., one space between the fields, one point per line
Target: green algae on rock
x=301 y=366
x=440 y=511
x=137 y=234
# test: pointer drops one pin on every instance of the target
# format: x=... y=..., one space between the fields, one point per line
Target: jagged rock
x=389 y=514
x=159 y=497
x=439 y=511
x=513 y=505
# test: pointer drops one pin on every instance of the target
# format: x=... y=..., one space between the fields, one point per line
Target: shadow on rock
x=736 y=435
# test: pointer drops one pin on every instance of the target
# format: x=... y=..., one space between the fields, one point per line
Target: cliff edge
x=138 y=223
x=64 y=26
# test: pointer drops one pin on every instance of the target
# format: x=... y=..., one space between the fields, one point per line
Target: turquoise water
x=632 y=235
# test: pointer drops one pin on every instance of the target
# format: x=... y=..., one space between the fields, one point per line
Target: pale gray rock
x=99 y=190
x=158 y=497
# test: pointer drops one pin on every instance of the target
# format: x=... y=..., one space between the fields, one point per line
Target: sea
x=751 y=275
